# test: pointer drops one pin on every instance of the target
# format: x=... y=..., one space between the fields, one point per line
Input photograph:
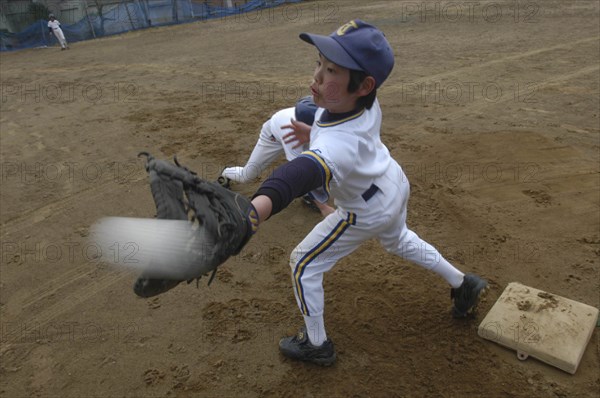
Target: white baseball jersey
x=269 y=146
x=371 y=193
x=54 y=24
x=354 y=156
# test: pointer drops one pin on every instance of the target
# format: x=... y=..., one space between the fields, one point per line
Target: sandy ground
x=492 y=110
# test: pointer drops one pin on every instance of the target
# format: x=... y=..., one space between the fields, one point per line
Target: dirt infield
x=492 y=110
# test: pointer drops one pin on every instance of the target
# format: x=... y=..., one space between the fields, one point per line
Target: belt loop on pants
x=368 y=194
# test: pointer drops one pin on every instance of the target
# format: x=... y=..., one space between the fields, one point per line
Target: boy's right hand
x=300 y=133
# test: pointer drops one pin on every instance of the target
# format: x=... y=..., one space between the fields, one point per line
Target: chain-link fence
x=114 y=18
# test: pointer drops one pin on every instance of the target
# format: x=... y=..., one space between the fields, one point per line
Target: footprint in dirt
x=224 y=275
x=180 y=375
x=153 y=376
x=541 y=198
x=154 y=303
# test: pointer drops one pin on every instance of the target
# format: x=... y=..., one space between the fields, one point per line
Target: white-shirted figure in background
x=54 y=27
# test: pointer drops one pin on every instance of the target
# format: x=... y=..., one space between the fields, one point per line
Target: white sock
x=315 y=328
x=447 y=271
x=235 y=174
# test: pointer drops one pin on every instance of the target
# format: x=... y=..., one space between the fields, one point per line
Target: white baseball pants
x=342 y=232
x=60 y=36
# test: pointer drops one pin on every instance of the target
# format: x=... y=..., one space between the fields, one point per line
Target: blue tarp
x=126 y=17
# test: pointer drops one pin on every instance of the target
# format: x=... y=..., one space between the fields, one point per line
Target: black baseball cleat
x=466 y=297
x=224 y=182
x=310 y=203
x=148 y=287
x=300 y=348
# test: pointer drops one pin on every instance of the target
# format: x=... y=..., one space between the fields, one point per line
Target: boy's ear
x=367 y=86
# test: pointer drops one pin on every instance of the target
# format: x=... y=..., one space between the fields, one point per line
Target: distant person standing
x=54 y=27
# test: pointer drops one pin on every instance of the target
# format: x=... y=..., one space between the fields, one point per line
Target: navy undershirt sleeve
x=289 y=181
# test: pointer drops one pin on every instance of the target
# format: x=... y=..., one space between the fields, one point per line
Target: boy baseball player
x=274 y=139
x=54 y=27
x=348 y=161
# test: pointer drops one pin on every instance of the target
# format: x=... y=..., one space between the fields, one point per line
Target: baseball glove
x=225 y=220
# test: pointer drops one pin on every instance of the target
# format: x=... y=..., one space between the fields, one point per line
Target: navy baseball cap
x=356 y=45
x=305 y=110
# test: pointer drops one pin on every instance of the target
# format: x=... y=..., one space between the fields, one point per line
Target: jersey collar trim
x=333 y=119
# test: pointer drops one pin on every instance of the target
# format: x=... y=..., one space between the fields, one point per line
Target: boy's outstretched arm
x=289 y=181
x=263 y=206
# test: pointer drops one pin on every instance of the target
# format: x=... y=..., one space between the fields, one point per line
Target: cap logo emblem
x=346 y=27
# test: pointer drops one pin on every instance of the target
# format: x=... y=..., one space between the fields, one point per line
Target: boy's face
x=330 y=87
